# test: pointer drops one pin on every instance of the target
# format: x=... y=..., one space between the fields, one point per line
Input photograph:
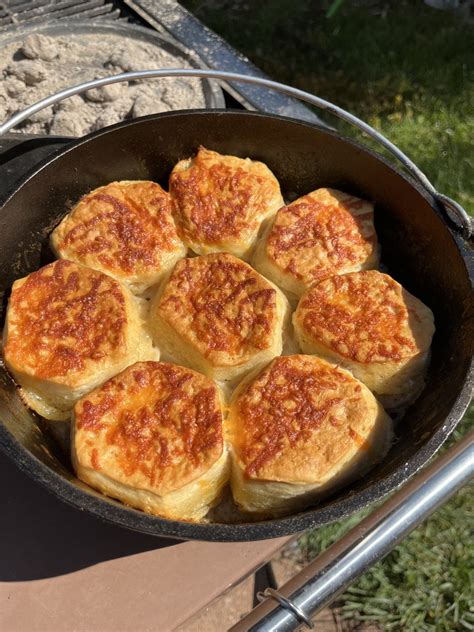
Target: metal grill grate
x=31 y=12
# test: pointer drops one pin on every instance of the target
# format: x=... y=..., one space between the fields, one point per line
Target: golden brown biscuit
x=152 y=437
x=369 y=324
x=68 y=329
x=300 y=429
x=218 y=316
x=124 y=229
x=221 y=201
x=323 y=233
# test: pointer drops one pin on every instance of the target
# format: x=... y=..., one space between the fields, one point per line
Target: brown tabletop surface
x=63 y=570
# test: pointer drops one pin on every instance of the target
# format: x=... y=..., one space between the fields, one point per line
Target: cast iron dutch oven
x=422 y=247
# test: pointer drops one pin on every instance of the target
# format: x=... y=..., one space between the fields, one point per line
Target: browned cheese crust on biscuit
x=125 y=229
x=68 y=329
x=155 y=426
x=371 y=325
x=323 y=233
x=221 y=201
x=365 y=316
x=62 y=320
x=298 y=418
x=216 y=312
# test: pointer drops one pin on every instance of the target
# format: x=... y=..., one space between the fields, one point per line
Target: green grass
x=409 y=74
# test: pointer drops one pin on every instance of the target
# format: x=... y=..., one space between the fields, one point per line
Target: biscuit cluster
x=280 y=342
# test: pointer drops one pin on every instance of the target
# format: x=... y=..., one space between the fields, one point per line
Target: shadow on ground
x=42 y=537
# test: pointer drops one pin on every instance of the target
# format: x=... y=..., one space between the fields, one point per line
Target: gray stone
x=29 y=71
x=39 y=47
x=147 y=104
x=67 y=124
x=14 y=87
x=104 y=94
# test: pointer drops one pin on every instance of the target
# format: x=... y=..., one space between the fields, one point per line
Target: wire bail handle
x=451 y=207
x=287 y=604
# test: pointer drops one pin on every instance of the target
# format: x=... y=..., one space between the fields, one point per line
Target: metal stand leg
x=264 y=579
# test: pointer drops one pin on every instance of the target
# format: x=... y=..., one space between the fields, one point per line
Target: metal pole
x=341 y=564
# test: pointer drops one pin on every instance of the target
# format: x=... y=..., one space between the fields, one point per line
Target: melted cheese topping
x=125 y=229
x=320 y=234
x=298 y=418
x=154 y=426
x=366 y=317
x=222 y=200
x=62 y=319
x=221 y=306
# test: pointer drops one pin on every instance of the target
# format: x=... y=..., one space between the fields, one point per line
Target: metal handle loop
x=287 y=604
x=464 y=219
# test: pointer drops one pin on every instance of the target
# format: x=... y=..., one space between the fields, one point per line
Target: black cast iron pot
x=421 y=248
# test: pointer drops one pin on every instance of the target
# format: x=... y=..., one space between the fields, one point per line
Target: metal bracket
x=287 y=604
